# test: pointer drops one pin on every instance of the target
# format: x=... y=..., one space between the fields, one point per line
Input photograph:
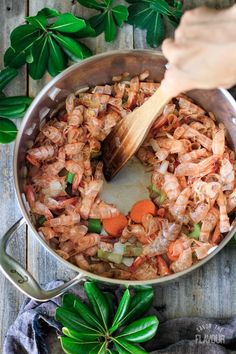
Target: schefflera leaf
x=108 y=19
x=140 y=330
x=8 y=131
x=59 y=33
x=149 y=15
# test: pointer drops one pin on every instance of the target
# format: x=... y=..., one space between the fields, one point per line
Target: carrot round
x=115 y=225
x=142 y=208
x=174 y=250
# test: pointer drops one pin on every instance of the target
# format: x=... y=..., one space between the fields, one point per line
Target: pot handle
x=21 y=278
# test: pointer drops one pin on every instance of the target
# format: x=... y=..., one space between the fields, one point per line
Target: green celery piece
x=196 y=232
x=94 y=225
x=41 y=220
x=131 y=251
x=110 y=256
x=70 y=177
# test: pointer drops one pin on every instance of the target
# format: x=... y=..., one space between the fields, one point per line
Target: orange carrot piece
x=163 y=268
x=142 y=208
x=114 y=226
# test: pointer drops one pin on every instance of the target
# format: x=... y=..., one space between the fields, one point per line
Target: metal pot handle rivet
x=21 y=278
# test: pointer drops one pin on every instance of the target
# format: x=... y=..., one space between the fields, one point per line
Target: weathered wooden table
x=209 y=291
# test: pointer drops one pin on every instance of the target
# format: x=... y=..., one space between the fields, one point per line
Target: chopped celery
x=41 y=220
x=131 y=251
x=110 y=256
x=94 y=225
x=159 y=194
x=95 y=154
x=196 y=232
x=70 y=177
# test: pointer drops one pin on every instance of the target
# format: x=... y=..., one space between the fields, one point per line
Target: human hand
x=203 y=53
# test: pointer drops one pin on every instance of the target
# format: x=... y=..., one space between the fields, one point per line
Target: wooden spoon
x=124 y=140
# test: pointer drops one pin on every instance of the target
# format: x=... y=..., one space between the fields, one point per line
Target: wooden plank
x=203 y=292
x=11 y=14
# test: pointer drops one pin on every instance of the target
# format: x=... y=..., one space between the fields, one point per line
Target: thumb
x=175 y=82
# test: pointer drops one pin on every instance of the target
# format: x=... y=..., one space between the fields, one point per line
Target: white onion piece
x=154 y=145
x=119 y=248
x=128 y=261
x=81 y=90
x=164 y=166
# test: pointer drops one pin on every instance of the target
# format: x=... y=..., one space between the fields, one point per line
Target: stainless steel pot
x=93 y=71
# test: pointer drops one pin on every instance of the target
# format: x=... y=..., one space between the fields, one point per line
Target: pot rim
x=157 y=280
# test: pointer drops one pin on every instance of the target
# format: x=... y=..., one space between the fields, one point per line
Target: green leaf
x=120 y=14
x=92 y=4
x=68 y=23
x=125 y=347
x=49 y=13
x=87 y=315
x=72 y=48
x=38 y=21
x=155 y=31
x=24 y=36
x=6 y=75
x=8 y=131
x=72 y=320
x=141 y=330
x=40 y=54
x=121 y=310
x=110 y=28
x=88 y=31
x=98 y=23
x=139 y=304
x=68 y=300
x=56 y=56
x=15 y=100
x=71 y=346
x=148 y=14
x=14 y=59
x=139 y=15
x=161 y=6
x=80 y=336
x=111 y=300
x=13 y=112
x=99 y=349
x=109 y=18
x=98 y=302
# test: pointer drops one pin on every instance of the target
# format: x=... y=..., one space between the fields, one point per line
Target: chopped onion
x=119 y=248
x=81 y=90
x=128 y=261
x=154 y=145
x=164 y=166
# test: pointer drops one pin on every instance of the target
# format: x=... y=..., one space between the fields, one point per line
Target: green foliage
x=86 y=327
x=149 y=15
x=10 y=107
x=108 y=19
x=45 y=42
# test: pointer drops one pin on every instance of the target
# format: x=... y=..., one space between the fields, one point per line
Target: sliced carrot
x=142 y=208
x=174 y=250
x=163 y=268
x=114 y=226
